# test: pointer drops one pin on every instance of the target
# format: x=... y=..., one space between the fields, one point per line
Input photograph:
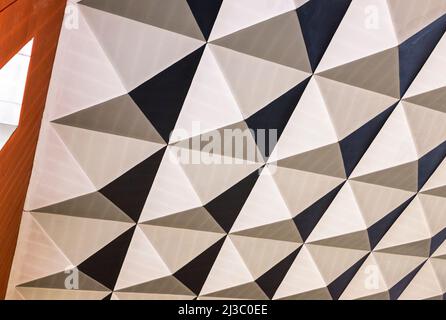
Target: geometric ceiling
x=348 y=203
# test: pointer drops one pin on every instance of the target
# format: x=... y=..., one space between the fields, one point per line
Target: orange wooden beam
x=20 y=21
x=5 y=3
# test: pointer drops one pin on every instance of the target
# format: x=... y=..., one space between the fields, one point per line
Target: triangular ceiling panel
x=229 y=270
x=378 y=72
x=156 y=99
x=241 y=149
x=153 y=12
x=68 y=234
x=119 y=116
x=257 y=40
x=309 y=128
x=97 y=148
x=190 y=243
x=342 y=224
x=410 y=16
x=334 y=262
x=257 y=255
x=171 y=192
x=427 y=87
x=156 y=48
x=93 y=205
x=205 y=14
x=389 y=150
x=38 y=247
x=142 y=263
x=87 y=78
x=57 y=175
x=319 y=21
x=255 y=82
x=424 y=286
x=225 y=172
x=415 y=240
x=235 y=15
x=209 y=104
x=366 y=30
x=264 y=205
x=414 y=52
x=303 y=279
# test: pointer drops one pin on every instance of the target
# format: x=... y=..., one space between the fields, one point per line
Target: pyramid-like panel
x=229 y=149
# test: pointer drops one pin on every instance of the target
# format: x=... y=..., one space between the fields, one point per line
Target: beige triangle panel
x=368 y=283
x=149 y=296
x=395 y=267
x=342 y=101
x=61 y=294
x=358 y=240
x=236 y=15
x=424 y=286
x=283 y=231
x=342 y=224
x=119 y=116
x=97 y=148
x=260 y=255
x=303 y=278
x=317 y=294
x=289 y=48
x=309 y=128
x=211 y=175
x=417 y=248
x=255 y=82
x=434 y=99
x=194 y=219
x=410 y=16
x=430 y=81
x=440 y=253
x=229 y=270
x=210 y=104
x=404 y=177
x=300 y=189
x=235 y=140
x=81 y=79
x=172 y=191
x=249 y=291
x=391 y=150
x=153 y=12
x=377 y=201
x=410 y=234
x=326 y=160
x=157 y=48
x=378 y=72
x=179 y=246
x=427 y=127
x=264 y=207
x=93 y=205
x=57 y=176
x=437 y=182
x=439 y=265
x=37 y=255
x=333 y=262
x=164 y=286
x=433 y=212
x=366 y=29
x=62 y=280
x=142 y=263
x=79 y=238
x=348 y=203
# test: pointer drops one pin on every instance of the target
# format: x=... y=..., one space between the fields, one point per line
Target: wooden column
x=20 y=21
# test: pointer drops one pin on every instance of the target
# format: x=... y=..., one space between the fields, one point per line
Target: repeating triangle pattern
x=241 y=149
